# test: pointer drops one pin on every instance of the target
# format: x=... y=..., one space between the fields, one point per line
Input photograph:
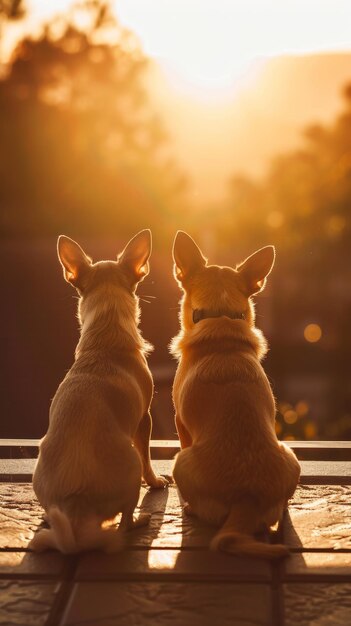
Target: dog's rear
x=237 y=533
x=88 y=535
x=231 y=470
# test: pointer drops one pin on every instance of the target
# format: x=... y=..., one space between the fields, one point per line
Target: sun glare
x=200 y=48
x=211 y=82
x=211 y=45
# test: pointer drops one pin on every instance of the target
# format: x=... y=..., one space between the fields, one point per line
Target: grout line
x=277 y=594
x=61 y=600
x=205 y=548
x=176 y=577
x=276 y=585
x=30 y=576
x=317 y=578
x=320 y=550
x=305 y=479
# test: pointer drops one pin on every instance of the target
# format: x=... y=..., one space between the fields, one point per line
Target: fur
x=96 y=449
x=231 y=470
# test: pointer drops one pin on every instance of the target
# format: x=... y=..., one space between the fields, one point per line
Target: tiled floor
x=167 y=576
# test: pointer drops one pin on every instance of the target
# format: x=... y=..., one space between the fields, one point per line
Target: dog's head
x=106 y=280
x=212 y=290
x=131 y=267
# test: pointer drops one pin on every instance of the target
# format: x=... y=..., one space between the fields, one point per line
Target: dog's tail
x=89 y=536
x=231 y=537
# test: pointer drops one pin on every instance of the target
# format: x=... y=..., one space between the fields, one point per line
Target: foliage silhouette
x=302 y=206
x=311 y=183
x=12 y=9
x=82 y=150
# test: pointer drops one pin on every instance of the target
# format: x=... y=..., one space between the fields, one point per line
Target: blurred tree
x=12 y=9
x=304 y=199
x=303 y=206
x=82 y=150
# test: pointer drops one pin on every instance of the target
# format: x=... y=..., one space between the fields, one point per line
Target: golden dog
x=88 y=470
x=232 y=471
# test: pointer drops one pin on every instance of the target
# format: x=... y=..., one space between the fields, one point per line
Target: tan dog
x=232 y=471
x=88 y=470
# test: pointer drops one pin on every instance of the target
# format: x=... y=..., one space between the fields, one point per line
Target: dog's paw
x=41 y=541
x=142 y=520
x=33 y=545
x=159 y=482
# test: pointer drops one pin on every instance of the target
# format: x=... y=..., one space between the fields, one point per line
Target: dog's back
x=88 y=470
x=232 y=470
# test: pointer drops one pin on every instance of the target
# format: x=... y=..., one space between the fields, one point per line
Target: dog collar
x=202 y=314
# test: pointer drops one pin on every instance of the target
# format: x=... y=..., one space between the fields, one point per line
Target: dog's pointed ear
x=135 y=256
x=73 y=259
x=255 y=269
x=187 y=256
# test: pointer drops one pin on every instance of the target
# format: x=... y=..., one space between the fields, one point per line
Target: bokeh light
x=312 y=333
x=302 y=408
x=310 y=430
x=290 y=416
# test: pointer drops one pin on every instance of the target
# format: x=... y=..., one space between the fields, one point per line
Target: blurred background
x=230 y=120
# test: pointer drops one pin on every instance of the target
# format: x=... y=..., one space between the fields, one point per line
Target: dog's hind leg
x=181 y=466
x=142 y=444
x=290 y=473
x=192 y=487
x=184 y=475
x=44 y=539
x=184 y=436
x=210 y=511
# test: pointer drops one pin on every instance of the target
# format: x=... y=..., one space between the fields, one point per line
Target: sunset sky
x=209 y=54
x=209 y=43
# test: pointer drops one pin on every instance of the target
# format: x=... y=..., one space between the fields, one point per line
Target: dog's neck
x=217 y=336
x=204 y=314
x=109 y=323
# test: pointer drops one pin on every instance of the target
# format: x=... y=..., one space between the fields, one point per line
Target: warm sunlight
x=160 y=162
x=228 y=119
x=207 y=77
x=210 y=45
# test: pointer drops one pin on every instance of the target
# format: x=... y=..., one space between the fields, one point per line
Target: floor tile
x=28 y=563
x=168 y=604
x=25 y=603
x=169 y=526
x=319 y=517
x=319 y=564
x=317 y=604
x=188 y=564
x=20 y=514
